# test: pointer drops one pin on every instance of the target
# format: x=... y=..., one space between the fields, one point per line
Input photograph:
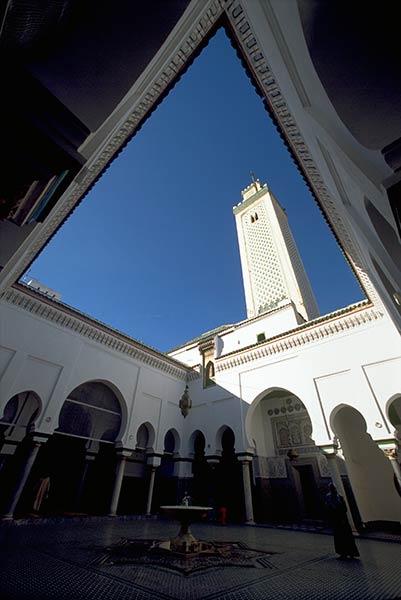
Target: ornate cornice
x=156 y=83
x=206 y=346
x=162 y=78
x=259 y=69
x=164 y=75
x=314 y=331
x=194 y=373
x=89 y=328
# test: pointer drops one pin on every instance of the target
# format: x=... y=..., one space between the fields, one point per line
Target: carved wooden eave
x=173 y=59
x=257 y=65
x=319 y=329
x=187 y=39
x=206 y=346
x=69 y=318
x=194 y=373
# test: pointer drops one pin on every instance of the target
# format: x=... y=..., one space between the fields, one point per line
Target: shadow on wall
x=369 y=470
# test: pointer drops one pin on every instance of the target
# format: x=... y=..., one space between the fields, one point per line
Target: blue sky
x=152 y=250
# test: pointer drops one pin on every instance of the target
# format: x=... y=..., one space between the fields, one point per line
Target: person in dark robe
x=344 y=543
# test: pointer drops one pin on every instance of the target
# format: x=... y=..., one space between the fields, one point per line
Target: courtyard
x=69 y=559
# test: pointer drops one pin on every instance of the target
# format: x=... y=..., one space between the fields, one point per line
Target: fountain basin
x=185 y=542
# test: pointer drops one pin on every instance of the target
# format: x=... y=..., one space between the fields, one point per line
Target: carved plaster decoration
x=269 y=467
x=292 y=431
x=105 y=336
x=310 y=332
x=323 y=466
x=268 y=86
x=161 y=77
x=276 y=468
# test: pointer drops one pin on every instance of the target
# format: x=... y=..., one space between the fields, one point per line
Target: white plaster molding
x=269 y=87
x=172 y=59
x=190 y=32
x=102 y=335
x=306 y=334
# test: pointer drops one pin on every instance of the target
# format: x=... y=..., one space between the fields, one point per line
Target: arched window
x=142 y=437
x=19 y=416
x=209 y=374
x=169 y=442
x=91 y=411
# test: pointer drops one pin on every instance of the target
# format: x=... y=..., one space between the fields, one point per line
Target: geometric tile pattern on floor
x=52 y=562
x=153 y=553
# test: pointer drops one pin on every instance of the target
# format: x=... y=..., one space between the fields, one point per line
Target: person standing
x=344 y=543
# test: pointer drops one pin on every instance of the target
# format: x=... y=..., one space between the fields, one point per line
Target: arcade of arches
x=81 y=468
x=291 y=474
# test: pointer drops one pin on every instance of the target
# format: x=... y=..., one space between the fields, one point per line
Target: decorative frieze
x=313 y=331
x=288 y=129
x=163 y=76
x=323 y=466
x=105 y=336
x=269 y=467
x=160 y=81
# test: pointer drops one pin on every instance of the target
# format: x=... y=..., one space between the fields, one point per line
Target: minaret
x=272 y=268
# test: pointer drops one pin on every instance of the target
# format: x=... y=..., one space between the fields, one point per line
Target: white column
x=390 y=450
x=150 y=490
x=245 y=461
x=392 y=456
x=395 y=464
x=338 y=482
x=120 y=468
x=23 y=476
x=154 y=462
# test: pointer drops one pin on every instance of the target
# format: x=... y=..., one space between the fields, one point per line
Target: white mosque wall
x=188 y=355
x=245 y=334
x=213 y=408
x=52 y=361
x=360 y=367
x=352 y=360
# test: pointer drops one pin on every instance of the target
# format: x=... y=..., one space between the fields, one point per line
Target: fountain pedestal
x=185 y=542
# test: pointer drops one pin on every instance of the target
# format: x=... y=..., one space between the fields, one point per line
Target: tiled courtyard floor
x=63 y=561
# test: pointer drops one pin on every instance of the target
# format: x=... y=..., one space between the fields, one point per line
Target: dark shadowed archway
x=136 y=476
x=229 y=490
x=16 y=424
x=290 y=473
x=200 y=470
x=79 y=458
x=167 y=480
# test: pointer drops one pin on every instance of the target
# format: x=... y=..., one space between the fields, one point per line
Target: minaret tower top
x=272 y=268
